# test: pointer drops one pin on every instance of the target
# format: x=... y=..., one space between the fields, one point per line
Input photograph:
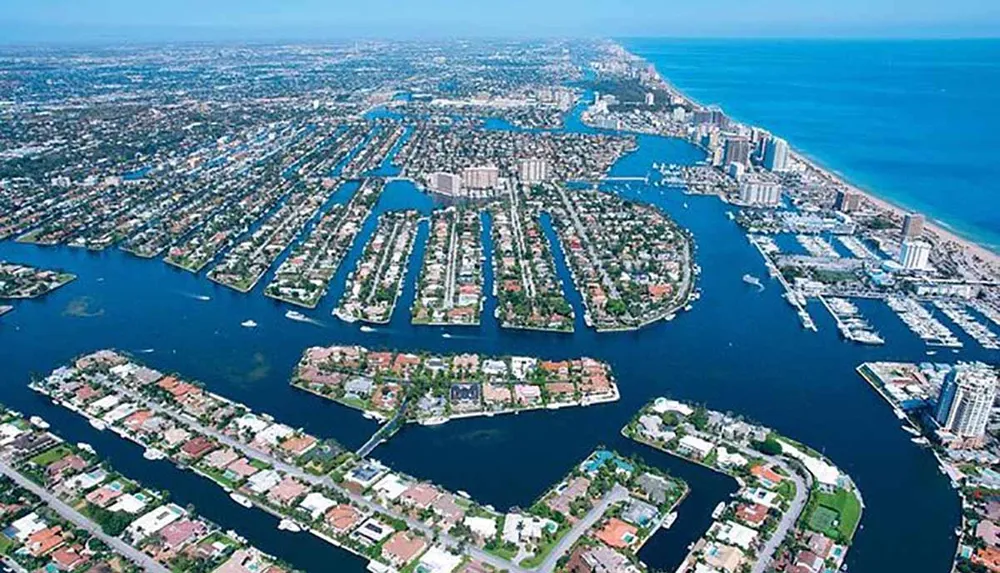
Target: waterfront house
x=639 y=513
x=402 y=548
x=286 y=492
x=496 y=394
x=342 y=518
x=527 y=394
x=44 y=541
x=616 y=533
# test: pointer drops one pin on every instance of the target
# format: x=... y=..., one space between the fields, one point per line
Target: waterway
x=739 y=349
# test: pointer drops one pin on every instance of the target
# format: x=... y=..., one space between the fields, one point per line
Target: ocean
x=914 y=122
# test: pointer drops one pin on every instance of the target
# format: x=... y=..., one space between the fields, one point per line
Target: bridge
x=383 y=433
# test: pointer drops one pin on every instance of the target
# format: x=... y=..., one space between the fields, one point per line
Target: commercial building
x=445 y=183
x=487 y=177
x=915 y=255
x=913 y=225
x=533 y=170
x=966 y=398
x=847 y=201
x=776 y=155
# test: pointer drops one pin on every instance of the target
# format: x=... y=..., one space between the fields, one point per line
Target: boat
x=752 y=280
x=669 y=521
x=202 y=297
x=153 y=454
x=97 y=424
x=38 y=423
x=910 y=430
x=376 y=567
x=463 y=494
x=445 y=335
x=433 y=421
x=367 y=329
x=248 y=324
x=289 y=525
x=718 y=510
x=296 y=315
x=921 y=441
x=242 y=500
x=86 y=447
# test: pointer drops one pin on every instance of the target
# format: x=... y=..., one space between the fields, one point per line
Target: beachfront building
x=913 y=225
x=776 y=155
x=915 y=255
x=967 y=396
x=759 y=191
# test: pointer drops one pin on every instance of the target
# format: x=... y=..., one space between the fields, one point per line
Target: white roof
x=84 y=482
x=697 y=444
x=274 y=433
x=485 y=527
x=736 y=534
x=155 y=520
x=28 y=525
x=662 y=405
x=105 y=403
x=494 y=366
x=822 y=471
x=760 y=495
x=316 y=503
x=119 y=412
x=438 y=560
x=262 y=481
x=128 y=503
x=8 y=432
x=251 y=423
x=517 y=527
x=391 y=487
x=730 y=459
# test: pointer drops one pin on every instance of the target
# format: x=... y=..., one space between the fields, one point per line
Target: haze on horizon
x=27 y=21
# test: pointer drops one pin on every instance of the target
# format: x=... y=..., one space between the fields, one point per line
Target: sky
x=25 y=21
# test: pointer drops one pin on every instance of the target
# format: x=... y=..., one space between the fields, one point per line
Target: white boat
x=752 y=280
x=296 y=315
x=248 y=324
x=245 y=502
x=910 y=430
x=376 y=567
x=671 y=518
x=463 y=494
x=445 y=335
x=718 y=510
x=367 y=329
x=38 y=423
x=434 y=421
x=153 y=454
x=86 y=447
x=289 y=525
x=202 y=297
x=921 y=441
x=97 y=424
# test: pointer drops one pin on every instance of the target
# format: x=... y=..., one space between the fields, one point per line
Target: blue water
x=915 y=122
x=738 y=350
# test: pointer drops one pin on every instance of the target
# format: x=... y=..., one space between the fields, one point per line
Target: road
x=75 y=517
x=617 y=493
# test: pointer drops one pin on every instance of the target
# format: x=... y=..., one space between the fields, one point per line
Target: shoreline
x=932 y=224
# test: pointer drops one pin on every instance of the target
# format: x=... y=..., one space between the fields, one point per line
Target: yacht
x=752 y=280
x=367 y=329
x=97 y=424
x=242 y=500
x=289 y=525
x=296 y=315
x=38 y=423
x=671 y=518
x=248 y=324
x=718 y=510
x=153 y=454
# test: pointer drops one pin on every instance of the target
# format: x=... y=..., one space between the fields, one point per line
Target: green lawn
x=5 y=544
x=844 y=505
x=48 y=456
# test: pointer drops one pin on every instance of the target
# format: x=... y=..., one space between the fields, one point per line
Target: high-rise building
x=486 y=177
x=533 y=170
x=776 y=154
x=914 y=255
x=737 y=150
x=847 y=201
x=650 y=99
x=966 y=399
x=445 y=183
x=913 y=225
x=757 y=191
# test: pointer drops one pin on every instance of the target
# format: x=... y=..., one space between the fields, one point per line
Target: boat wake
x=145 y=351
x=202 y=297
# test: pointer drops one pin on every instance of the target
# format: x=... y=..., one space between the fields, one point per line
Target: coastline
x=934 y=225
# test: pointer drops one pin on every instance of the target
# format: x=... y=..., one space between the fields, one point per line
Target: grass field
x=48 y=456
x=836 y=514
